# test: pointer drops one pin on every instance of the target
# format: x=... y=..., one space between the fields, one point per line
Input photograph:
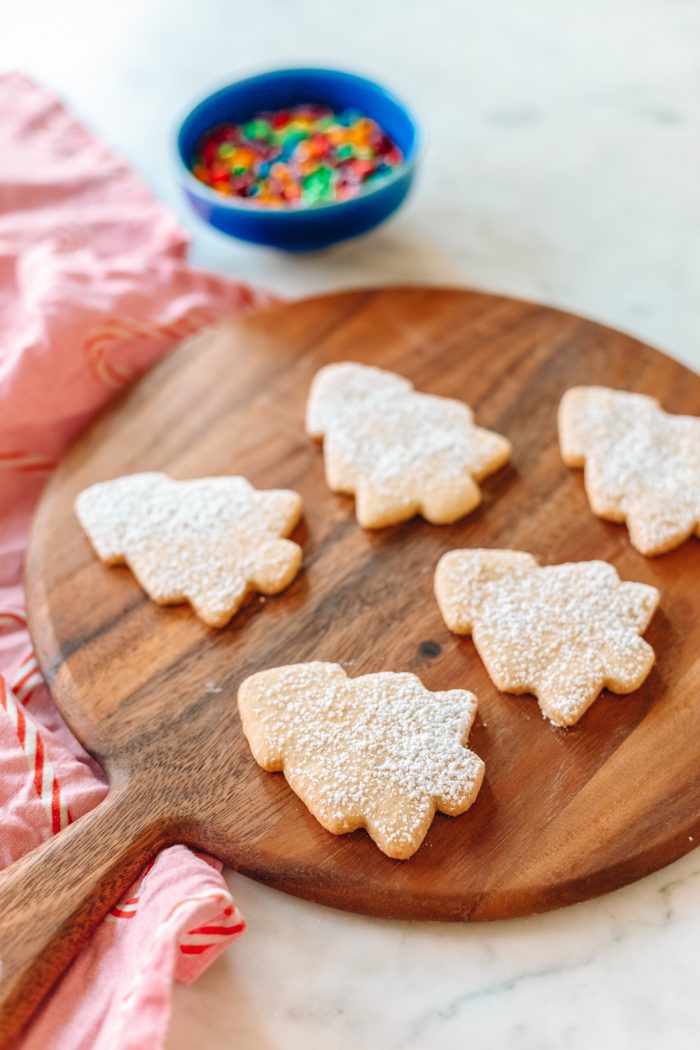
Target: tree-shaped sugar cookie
x=379 y=752
x=400 y=452
x=207 y=541
x=562 y=632
x=642 y=465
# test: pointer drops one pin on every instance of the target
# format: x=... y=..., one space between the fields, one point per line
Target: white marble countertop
x=578 y=133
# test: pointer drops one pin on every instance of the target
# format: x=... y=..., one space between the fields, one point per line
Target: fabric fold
x=94 y=290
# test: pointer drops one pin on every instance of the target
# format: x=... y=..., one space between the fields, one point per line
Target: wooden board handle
x=52 y=899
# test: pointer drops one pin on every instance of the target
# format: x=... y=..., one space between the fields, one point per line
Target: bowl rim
x=248 y=206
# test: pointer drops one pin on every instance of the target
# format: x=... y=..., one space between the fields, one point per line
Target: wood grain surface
x=151 y=692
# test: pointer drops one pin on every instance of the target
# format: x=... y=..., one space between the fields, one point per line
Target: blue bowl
x=301 y=228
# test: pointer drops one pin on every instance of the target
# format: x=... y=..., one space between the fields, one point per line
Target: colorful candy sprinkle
x=301 y=156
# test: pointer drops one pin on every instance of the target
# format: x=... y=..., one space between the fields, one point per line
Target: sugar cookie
x=399 y=451
x=562 y=632
x=208 y=541
x=379 y=752
x=642 y=465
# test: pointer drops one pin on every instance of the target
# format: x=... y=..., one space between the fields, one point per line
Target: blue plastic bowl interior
x=299 y=229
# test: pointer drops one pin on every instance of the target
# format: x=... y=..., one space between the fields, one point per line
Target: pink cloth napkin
x=94 y=289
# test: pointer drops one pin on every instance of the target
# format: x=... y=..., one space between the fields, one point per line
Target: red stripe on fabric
x=38 y=761
x=25 y=678
x=21 y=728
x=55 y=808
x=34 y=467
x=27 y=696
x=218 y=931
x=197 y=949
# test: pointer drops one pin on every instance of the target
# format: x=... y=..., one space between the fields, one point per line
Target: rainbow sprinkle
x=296 y=157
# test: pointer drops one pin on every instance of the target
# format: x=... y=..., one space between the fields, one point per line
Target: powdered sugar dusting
x=380 y=751
x=401 y=452
x=562 y=632
x=207 y=541
x=642 y=464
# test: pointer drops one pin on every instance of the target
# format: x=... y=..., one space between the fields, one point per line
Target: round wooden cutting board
x=151 y=692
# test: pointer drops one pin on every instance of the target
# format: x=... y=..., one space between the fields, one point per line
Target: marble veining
x=618 y=971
